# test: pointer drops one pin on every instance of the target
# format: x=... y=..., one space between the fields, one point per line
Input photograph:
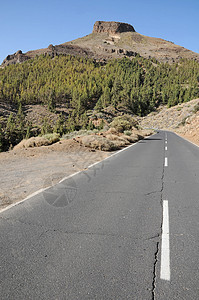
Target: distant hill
x=111 y=40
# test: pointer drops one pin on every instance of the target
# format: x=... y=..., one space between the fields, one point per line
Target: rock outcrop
x=112 y=27
x=17 y=57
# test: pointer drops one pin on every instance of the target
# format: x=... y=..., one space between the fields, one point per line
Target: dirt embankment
x=182 y=119
x=190 y=130
x=170 y=118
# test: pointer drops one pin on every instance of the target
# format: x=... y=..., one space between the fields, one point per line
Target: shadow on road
x=147 y=140
x=153 y=139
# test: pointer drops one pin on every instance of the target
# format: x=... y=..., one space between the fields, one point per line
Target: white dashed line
x=165 y=250
x=166 y=162
x=166 y=148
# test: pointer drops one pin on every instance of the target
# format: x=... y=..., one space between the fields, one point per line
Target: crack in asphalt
x=154 y=237
x=158 y=243
x=105 y=234
x=154 y=272
x=154 y=192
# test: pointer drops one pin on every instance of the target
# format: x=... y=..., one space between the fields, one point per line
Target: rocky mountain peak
x=17 y=57
x=112 y=27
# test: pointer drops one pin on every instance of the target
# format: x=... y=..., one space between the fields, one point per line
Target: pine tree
x=52 y=100
x=106 y=97
x=46 y=128
x=117 y=87
x=10 y=126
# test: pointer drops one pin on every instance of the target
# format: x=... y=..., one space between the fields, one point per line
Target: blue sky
x=28 y=25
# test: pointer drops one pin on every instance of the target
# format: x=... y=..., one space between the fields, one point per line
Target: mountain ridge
x=110 y=40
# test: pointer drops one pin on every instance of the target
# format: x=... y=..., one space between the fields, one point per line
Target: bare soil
x=25 y=171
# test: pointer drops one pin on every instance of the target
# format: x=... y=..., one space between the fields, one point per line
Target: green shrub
x=52 y=137
x=123 y=123
x=184 y=121
x=196 y=108
x=76 y=133
x=127 y=132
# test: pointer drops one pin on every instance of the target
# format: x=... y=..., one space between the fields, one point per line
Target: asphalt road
x=126 y=228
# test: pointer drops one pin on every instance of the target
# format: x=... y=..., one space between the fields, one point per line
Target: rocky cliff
x=52 y=51
x=17 y=57
x=112 y=27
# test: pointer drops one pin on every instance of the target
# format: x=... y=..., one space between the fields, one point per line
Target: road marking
x=166 y=162
x=165 y=251
x=165 y=142
x=166 y=148
x=65 y=178
x=28 y=197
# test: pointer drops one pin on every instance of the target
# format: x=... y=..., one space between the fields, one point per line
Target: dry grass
x=131 y=138
x=104 y=141
x=109 y=141
x=98 y=142
x=120 y=141
x=52 y=137
x=38 y=141
x=146 y=132
x=120 y=144
x=112 y=131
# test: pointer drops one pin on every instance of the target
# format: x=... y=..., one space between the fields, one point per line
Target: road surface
x=126 y=228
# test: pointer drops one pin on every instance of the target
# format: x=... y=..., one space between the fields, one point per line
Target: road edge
x=186 y=139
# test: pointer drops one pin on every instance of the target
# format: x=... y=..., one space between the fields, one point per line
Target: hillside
x=182 y=119
x=68 y=93
x=111 y=40
x=86 y=83
x=105 y=46
x=190 y=127
x=173 y=118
